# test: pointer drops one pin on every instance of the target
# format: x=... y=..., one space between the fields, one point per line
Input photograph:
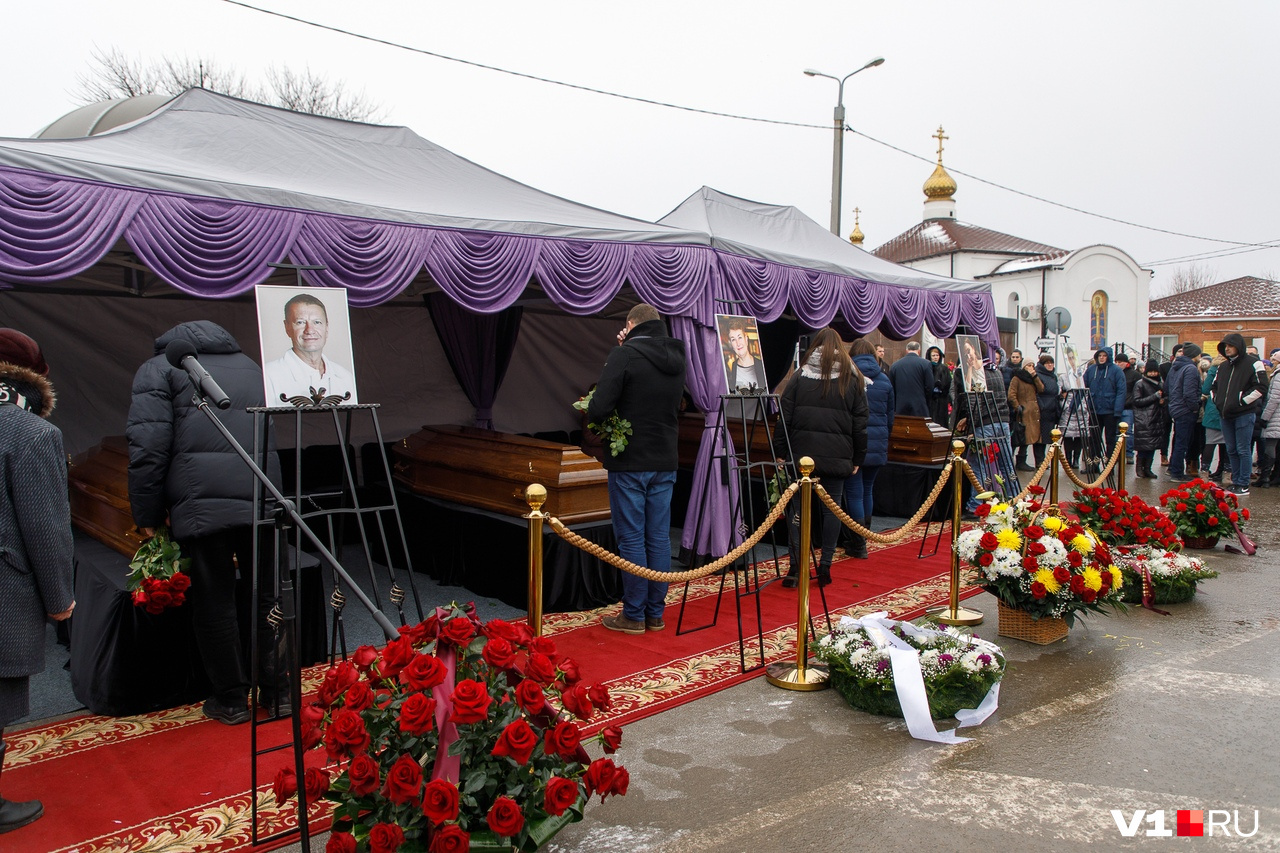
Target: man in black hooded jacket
x=643 y=380
x=1238 y=392
x=183 y=473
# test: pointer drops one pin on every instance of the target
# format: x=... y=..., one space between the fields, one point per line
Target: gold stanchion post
x=1058 y=459
x=1124 y=448
x=536 y=496
x=801 y=675
x=954 y=614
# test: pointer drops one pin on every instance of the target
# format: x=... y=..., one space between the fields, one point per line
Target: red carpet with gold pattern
x=175 y=782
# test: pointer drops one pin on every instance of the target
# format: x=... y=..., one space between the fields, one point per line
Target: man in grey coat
x=35 y=536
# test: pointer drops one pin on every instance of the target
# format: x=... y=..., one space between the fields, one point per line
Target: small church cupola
x=856 y=236
x=940 y=188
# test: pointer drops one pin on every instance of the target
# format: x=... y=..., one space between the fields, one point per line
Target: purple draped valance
x=52 y=228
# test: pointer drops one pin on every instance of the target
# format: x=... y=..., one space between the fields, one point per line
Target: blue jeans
x=989 y=472
x=859 y=493
x=640 y=502
x=1127 y=417
x=1183 y=427
x=1237 y=432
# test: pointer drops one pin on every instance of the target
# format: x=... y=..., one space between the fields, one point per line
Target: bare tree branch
x=114 y=75
x=1187 y=278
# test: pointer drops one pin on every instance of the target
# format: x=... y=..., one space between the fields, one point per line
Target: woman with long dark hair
x=824 y=408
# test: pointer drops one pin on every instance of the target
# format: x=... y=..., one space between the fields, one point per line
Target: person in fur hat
x=35 y=536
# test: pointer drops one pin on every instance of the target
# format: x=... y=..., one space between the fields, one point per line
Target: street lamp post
x=837 y=153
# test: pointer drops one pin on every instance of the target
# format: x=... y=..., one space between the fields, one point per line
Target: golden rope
x=902 y=532
x=1071 y=475
x=676 y=577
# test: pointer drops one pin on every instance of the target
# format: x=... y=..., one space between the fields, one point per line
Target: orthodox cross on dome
x=940 y=136
x=856 y=236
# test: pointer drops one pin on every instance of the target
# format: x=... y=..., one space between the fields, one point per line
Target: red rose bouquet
x=452 y=738
x=1121 y=519
x=1203 y=509
x=156 y=577
x=1040 y=563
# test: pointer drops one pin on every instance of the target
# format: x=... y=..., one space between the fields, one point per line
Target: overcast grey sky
x=1160 y=113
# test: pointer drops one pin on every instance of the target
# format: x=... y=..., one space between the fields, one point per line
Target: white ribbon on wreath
x=908 y=679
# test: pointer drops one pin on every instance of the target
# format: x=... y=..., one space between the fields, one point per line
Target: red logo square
x=1191 y=822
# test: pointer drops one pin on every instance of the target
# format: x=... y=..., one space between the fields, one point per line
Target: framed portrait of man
x=971 y=369
x=741 y=355
x=305 y=333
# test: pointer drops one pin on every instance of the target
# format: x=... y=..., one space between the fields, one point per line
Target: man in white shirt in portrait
x=304 y=370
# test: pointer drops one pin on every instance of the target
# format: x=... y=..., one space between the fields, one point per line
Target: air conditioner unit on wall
x=1030 y=312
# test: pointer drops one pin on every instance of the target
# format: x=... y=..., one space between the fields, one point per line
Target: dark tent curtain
x=478 y=347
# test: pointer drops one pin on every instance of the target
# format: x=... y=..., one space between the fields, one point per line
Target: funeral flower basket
x=1201 y=510
x=456 y=736
x=613 y=430
x=1039 y=563
x=1122 y=519
x=1166 y=576
x=958 y=670
x=157 y=579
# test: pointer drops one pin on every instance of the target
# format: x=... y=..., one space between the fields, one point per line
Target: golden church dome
x=940 y=185
x=856 y=236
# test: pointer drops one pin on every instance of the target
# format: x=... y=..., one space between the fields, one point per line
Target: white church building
x=1104 y=290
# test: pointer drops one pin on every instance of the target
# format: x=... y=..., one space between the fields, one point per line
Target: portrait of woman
x=970 y=349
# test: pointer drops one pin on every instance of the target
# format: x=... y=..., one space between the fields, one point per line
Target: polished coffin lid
x=98 y=481
x=491 y=470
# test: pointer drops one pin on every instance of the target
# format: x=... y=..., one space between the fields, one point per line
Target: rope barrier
x=902 y=532
x=677 y=577
x=1102 y=478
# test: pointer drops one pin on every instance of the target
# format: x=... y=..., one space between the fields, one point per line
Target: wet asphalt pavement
x=1132 y=711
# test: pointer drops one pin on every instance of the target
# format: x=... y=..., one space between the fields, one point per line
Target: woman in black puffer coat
x=1150 y=414
x=824 y=408
x=1049 y=400
x=940 y=394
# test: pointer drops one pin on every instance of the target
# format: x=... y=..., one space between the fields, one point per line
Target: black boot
x=792 y=580
x=824 y=574
x=14 y=815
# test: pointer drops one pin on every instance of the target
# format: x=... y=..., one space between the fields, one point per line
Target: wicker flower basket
x=1019 y=625
x=1201 y=542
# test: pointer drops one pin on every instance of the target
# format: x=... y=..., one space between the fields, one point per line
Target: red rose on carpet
x=285 y=785
x=312 y=717
x=423 y=672
x=450 y=839
x=599 y=777
x=340 y=842
x=385 y=838
x=364 y=657
x=524 y=634
x=346 y=735
x=417 y=714
x=403 y=781
x=316 y=783
x=563 y=740
x=500 y=653
x=1077 y=584
x=540 y=668
x=621 y=781
x=395 y=657
x=1037 y=589
x=569 y=668
x=363 y=773
x=359 y=696
x=599 y=695
x=612 y=738
x=577 y=702
x=504 y=817
x=530 y=697
x=471 y=702
x=440 y=801
x=543 y=646
x=458 y=631
x=517 y=741
x=561 y=794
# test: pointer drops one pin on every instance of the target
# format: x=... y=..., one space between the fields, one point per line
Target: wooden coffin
x=98 y=480
x=490 y=470
x=918 y=441
x=691 y=427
